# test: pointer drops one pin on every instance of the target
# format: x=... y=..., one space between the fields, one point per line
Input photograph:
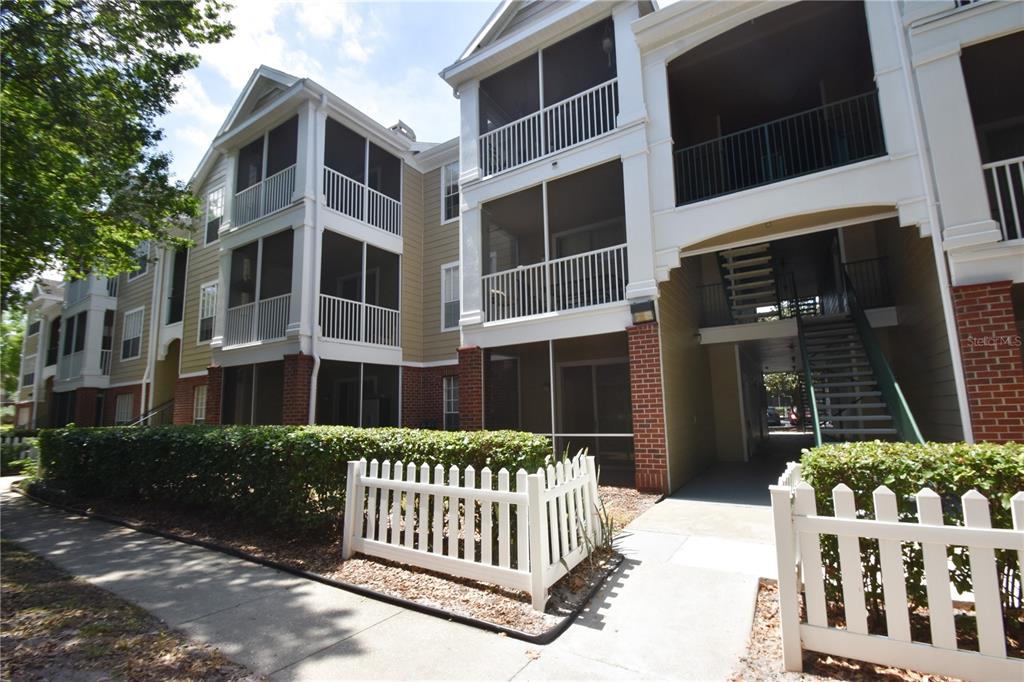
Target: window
x=80 y=320
x=131 y=334
x=74 y=333
x=142 y=258
x=207 y=310
x=199 y=404
x=450 y=192
x=28 y=379
x=33 y=328
x=214 y=214
x=123 y=409
x=451 y=403
x=449 y=296
x=53 y=342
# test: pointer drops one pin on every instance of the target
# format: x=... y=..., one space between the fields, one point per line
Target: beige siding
x=31 y=343
x=920 y=348
x=203 y=265
x=412 y=265
x=440 y=247
x=137 y=293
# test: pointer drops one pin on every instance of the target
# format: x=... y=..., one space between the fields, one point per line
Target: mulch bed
x=322 y=555
x=58 y=627
x=763 y=660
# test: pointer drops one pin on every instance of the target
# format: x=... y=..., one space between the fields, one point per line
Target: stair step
x=734 y=264
x=847 y=394
x=742 y=286
x=842 y=384
x=861 y=432
x=839 y=361
x=744 y=250
x=861 y=418
x=834 y=331
x=837 y=346
x=767 y=295
x=842 y=407
x=747 y=274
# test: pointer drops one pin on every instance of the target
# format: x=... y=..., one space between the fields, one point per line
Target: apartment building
x=646 y=211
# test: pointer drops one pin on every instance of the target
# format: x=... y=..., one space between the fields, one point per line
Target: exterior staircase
x=748 y=275
x=848 y=396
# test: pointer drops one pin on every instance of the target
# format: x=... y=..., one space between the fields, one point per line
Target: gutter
x=154 y=332
x=318 y=231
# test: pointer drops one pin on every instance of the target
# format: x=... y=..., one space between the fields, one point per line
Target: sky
x=381 y=57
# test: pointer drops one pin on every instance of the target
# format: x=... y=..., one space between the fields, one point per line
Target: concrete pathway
x=680 y=607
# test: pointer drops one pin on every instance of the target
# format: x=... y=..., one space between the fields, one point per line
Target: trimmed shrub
x=287 y=478
x=950 y=469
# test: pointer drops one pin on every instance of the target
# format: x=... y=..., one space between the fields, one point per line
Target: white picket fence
x=798 y=531
x=463 y=526
x=33 y=451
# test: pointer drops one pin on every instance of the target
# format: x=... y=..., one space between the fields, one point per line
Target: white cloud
x=194 y=102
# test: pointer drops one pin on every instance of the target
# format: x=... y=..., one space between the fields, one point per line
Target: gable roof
x=495 y=23
x=264 y=81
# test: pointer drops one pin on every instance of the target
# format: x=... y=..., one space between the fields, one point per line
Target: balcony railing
x=582 y=281
x=105 y=356
x=1005 y=183
x=356 y=200
x=559 y=126
x=345 y=320
x=75 y=291
x=264 y=320
x=70 y=366
x=829 y=136
x=265 y=197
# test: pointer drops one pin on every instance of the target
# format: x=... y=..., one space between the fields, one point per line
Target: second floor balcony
x=266 y=174
x=259 y=291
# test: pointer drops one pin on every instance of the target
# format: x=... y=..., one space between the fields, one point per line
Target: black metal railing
x=828 y=136
x=871 y=280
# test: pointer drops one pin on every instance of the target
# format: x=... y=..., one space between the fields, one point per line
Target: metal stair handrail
x=808 y=380
x=145 y=417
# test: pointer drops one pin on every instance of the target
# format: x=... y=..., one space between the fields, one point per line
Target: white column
x=639 y=227
x=223 y=277
x=230 y=166
x=659 y=135
x=628 y=65
x=469 y=132
x=470 y=265
x=306 y=154
x=956 y=161
x=94 y=339
x=302 y=288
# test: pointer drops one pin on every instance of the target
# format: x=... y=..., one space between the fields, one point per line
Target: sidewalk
x=680 y=606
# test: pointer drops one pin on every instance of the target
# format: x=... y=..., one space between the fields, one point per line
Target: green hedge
x=287 y=478
x=14 y=457
x=950 y=469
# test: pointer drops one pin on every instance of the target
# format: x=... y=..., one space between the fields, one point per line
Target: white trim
x=196 y=416
x=444 y=192
x=222 y=190
x=124 y=324
x=193 y=375
x=458 y=276
x=199 y=307
x=434 y=363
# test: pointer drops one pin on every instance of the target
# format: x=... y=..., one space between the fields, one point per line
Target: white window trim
x=446 y=266
x=445 y=221
x=142 y=327
x=135 y=274
x=444 y=393
x=199 y=415
x=206 y=213
x=118 y=420
x=199 y=308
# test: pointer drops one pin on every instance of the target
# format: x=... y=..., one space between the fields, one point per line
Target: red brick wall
x=184 y=398
x=471 y=388
x=214 y=385
x=110 y=402
x=648 y=408
x=298 y=377
x=993 y=368
x=423 y=395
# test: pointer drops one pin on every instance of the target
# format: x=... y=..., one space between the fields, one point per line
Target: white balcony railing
x=582 y=281
x=75 y=291
x=559 y=126
x=265 y=197
x=345 y=320
x=105 y=356
x=70 y=366
x=1005 y=182
x=262 y=321
x=356 y=200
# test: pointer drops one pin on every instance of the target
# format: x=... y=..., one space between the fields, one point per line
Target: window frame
x=444 y=193
x=117 y=408
x=446 y=385
x=124 y=324
x=199 y=324
x=206 y=214
x=458 y=294
x=199 y=415
x=33 y=322
x=135 y=274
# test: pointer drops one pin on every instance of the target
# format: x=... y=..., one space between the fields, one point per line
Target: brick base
x=184 y=398
x=298 y=378
x=649 y=444
x=471 y=388
x=110 y=402
x=214 y=386
x=423 y=396
x=990 y=348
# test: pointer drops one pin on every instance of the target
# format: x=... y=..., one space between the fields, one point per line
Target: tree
x=82 y=83
x=12 y=332
x=782 y=387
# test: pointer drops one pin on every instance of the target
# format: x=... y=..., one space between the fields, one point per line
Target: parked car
x=773 y=417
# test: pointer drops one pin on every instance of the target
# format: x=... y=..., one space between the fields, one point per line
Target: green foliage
x=14 y=458
x=12 y=333
x=949 y=469
x=288 y=478
x=82 y=82
x=782 y=387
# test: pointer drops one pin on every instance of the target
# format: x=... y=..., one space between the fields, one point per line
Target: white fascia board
x=614 y=317
x=265 y=115
x=439 y=155
x=683 y=19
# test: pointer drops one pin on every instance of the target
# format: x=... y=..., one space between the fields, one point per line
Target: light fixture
x=642 y=312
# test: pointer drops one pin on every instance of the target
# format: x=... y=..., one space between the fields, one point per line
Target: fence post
x=352 y=490
x=595 y=513
x=785 y=554
x=538 y=535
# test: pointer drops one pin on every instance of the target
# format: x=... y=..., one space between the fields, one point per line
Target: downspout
x=952 y=334
x=318 y=231
x=154 y=331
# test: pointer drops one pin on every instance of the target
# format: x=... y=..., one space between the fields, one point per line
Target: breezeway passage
x=289 y=628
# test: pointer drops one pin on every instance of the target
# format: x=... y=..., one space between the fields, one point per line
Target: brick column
x=471 y=388
x=184 y=398
x=214 y=386
x=990 y=348
x=298 y=378
x=649 y=442
x=85 y=407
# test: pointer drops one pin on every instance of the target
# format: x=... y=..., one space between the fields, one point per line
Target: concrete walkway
x=680 y=607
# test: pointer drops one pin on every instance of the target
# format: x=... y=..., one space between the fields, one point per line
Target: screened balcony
x=801 y=111
x=359 y=293
x=361 y=180
x=259 y=290
x=562 y=96
x=572 y=258
x=265 y=177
